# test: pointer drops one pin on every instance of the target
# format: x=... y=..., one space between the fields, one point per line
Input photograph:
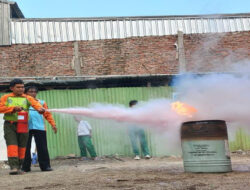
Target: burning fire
x=183 y=109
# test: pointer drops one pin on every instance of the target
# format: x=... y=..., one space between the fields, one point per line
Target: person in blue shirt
x=37 y=129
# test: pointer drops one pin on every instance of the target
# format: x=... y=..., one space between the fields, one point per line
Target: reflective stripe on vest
x=16 y=101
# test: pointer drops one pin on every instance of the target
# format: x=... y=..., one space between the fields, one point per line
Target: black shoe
x=13 y=171
x=47 y=170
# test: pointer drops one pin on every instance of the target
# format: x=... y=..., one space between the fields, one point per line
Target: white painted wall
x=3 y=149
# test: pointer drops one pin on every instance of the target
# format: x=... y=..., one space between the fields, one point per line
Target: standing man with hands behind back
x=10 y=105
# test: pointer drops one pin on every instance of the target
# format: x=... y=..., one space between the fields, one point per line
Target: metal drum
x=205 y=146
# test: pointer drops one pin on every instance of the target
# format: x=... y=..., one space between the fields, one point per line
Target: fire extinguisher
x=22 y=122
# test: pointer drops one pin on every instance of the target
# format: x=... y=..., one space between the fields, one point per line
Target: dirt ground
x=128 y=174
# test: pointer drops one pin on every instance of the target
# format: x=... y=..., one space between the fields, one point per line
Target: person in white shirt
x=84 y=132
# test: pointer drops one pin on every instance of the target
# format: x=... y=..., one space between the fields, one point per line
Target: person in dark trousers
x=38 y=130
x=11 y=104
x=138 y=133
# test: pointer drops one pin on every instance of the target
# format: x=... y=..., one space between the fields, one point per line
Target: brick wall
x=46 y=59
x=219 y=52
x=142 y=55
x=148 y=55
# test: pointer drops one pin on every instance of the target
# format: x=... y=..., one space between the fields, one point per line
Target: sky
x=107 y=8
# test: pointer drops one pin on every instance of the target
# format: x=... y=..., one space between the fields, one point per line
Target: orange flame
x=183 y=109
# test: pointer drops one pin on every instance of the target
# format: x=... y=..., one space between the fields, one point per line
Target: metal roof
x=82 y=82
x=28 y=31
x=15 y=10
x=8 y=10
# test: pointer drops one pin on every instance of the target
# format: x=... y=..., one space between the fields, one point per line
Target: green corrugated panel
x=241 y=141
x=108 y=137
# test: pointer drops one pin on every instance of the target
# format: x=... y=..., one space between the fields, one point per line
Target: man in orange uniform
x=10 y=105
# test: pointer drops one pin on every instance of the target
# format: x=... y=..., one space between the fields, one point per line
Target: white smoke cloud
x=217 y=96
x=156 y=114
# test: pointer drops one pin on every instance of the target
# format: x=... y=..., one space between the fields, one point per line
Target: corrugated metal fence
x=109 y=137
